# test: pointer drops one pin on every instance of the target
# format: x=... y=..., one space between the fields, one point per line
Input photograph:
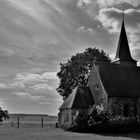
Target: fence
x=32 y=122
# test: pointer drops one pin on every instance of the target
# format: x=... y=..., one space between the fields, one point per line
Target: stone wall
x=64 y=118
x=97 y=88
x=120 y=106
x=67 y=116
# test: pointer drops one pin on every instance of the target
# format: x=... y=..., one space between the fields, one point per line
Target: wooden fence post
x=18 y=123
x=42 y=122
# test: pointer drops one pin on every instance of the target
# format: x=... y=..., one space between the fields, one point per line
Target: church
x=115 y=86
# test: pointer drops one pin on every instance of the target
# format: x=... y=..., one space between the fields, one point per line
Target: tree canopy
x=3 y=115
x=75 y=72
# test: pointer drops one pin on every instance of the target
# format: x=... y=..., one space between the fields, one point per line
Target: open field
x=31 y=130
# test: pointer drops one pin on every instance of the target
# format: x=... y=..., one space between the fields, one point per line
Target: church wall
x=96 y=87
x=67 y=116
x=124 y=106
x=64 y=118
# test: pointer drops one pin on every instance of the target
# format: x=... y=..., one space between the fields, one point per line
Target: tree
x=3 y=115
x=76 y=70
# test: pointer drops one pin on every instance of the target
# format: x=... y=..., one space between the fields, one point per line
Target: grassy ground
x=31 y=130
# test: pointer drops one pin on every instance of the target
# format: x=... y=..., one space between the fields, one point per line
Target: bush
x=100 y=121
x=80 y=123
x=89 y=122
x=123 y=125
x=95 y=117
x=3 y=115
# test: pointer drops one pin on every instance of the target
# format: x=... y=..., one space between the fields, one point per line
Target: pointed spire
x=123 y=55
x=123 y=12
x=123 y=51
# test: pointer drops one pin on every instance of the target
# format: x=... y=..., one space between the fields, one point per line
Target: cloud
x=81 y=3
x=44 y=103
x=112 y=56
x=28 y=95
x=88 y=30
x=42 y=87
x=49 y=75
x=32 y=8
x=109 y=3
x=111 y=19
x=29 y=78
x=17 y=85
x=3 y=86
x=21 y=94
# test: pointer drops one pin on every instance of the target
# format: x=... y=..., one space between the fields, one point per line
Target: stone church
x=115 y=86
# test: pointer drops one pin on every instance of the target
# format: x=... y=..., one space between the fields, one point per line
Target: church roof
x=119 y=80
x=80 y=98
x=123 y=51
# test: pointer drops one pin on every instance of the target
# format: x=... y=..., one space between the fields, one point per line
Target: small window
x=126 y=110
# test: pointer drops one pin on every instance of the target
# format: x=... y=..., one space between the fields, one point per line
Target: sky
x=37 y=35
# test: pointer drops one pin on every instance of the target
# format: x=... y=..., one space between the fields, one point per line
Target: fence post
x=42 y=122
x=18 y=123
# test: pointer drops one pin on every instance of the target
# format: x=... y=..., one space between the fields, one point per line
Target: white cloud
x=32 y=77
x=21 y=94
x=44 y=103
x=28 y=95
x=88 y=30
x=17 y=84
x=48 y=75
x=109 y=3
x=42 y=87
x=27 y=78
x=112 y=56
x=111 y=19
x=3 y=85
x=81 y=3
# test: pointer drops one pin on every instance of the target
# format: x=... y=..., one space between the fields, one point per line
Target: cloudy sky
x=37 y=35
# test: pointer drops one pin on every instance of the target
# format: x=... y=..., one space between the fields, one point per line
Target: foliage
x=97 y=117
x=80 y=122
x=101 y=121
x=121 y=124
x=87 y=122
x=3 y=115
x=76 y=70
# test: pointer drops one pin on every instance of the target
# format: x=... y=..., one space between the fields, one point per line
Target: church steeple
x=123 y=55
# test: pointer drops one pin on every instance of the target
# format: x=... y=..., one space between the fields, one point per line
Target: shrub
x=100 y=121
x=89 y=122
x=80 y=123
x=3 y=115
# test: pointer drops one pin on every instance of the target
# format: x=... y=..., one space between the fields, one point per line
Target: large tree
x=76 y=70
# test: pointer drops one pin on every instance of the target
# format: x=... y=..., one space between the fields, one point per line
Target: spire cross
x=123 y=11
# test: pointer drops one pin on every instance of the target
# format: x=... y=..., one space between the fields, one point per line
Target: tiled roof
x=80 y=98
x=119 y=80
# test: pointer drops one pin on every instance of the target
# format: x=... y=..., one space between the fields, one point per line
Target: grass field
x=30 y=129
